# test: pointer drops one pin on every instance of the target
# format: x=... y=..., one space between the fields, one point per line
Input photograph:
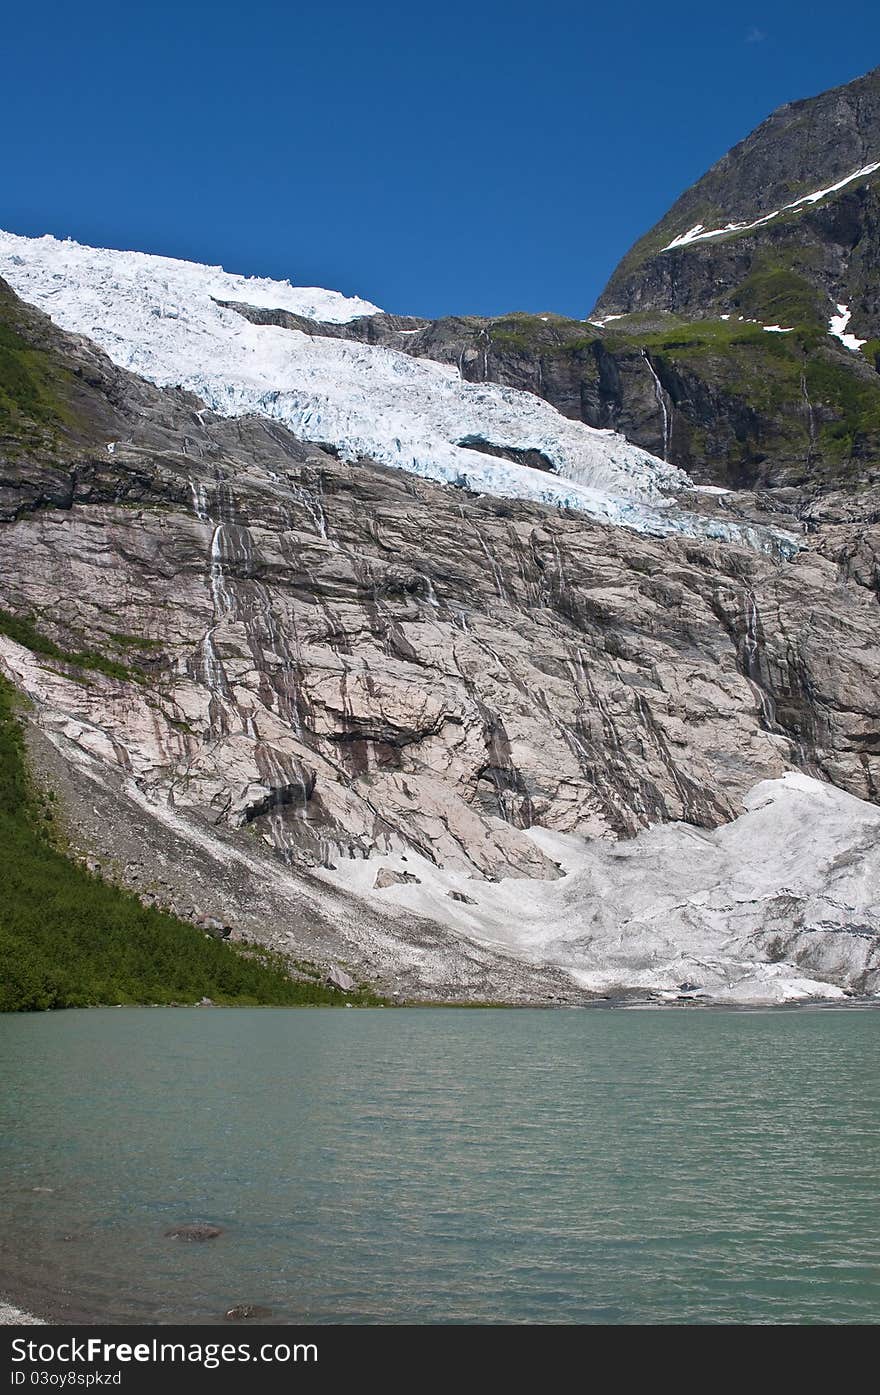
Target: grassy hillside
x=68 y=939
x=809 y=397
x=35 y=387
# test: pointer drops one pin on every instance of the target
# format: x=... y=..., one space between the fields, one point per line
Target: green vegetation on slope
x=777 y=293
x=812 y=397
x=797 y=395
x=33 y=384
x=68 y=939
x=547 y=334
x=854 y=401
x=24 y=631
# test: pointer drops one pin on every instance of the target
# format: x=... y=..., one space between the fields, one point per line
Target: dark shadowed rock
x=803 y=147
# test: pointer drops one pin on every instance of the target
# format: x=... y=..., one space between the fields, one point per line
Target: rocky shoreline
x=10 y=1316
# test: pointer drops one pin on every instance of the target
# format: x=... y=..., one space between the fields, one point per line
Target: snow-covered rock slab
x=782 y=904
x=161 y=318
x=837 y=326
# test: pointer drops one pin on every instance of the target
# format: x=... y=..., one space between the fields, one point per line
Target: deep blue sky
x=447 y=158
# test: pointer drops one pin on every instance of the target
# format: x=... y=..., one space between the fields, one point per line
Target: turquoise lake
x=443 y=1166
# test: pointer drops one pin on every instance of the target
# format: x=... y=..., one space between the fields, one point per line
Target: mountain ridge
x=800 y=146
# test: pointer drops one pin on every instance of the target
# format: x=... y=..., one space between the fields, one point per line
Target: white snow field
x=699 y=233
x=779 y=905
x=160 y=318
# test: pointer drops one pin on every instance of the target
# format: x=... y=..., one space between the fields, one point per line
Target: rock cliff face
x=274 y=675
x=783 y=232
x=801 y=188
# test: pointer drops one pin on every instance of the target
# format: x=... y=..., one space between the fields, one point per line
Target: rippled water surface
x=443 y=1166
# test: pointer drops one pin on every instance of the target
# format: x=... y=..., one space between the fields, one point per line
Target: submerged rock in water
x=247 y=1312
x=194 y=1231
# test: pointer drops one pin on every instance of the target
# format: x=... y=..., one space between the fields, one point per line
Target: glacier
x=161 y=318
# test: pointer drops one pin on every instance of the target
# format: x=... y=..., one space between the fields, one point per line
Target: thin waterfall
x=752 y=663
x=660 y=395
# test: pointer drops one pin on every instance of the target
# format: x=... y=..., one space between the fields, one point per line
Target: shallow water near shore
x=442 y=1165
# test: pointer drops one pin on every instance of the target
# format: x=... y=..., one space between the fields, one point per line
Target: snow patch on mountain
x=160 y=318
x=699 y=233
x=837 y=326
